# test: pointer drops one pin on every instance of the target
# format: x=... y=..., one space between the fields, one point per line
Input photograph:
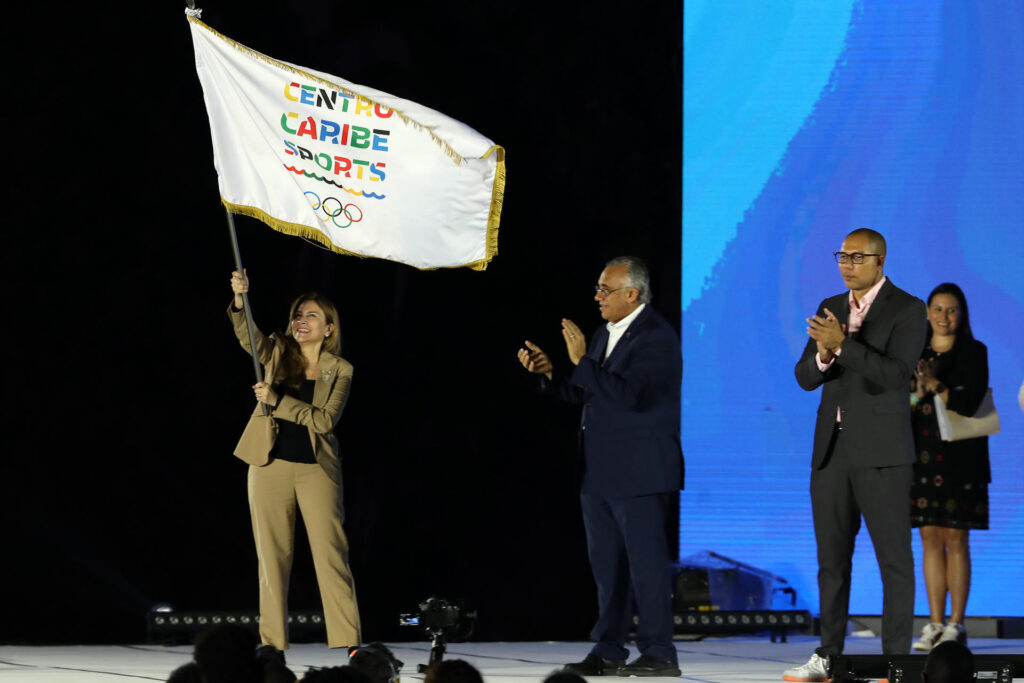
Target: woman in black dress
x=950 y=492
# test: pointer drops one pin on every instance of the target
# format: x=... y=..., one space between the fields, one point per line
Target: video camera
x=442 y=622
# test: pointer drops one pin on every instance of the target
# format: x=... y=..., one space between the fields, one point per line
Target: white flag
x=361 y=171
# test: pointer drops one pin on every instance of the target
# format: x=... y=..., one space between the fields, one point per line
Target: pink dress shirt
x=853 y=323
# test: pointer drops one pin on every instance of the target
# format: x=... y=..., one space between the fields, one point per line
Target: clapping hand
x=575 y=342
x=925 y=375
x=827 y=332
x=535 y=360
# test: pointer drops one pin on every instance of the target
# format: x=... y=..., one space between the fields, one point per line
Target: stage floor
x=737 y=659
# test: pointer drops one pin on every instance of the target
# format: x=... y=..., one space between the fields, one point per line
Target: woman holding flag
x=294 y=462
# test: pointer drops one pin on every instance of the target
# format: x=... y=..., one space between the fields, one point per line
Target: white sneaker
x=955 y=632
x=930 y=637
x=814 y=671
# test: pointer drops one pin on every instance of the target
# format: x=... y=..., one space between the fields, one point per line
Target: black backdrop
x=125 y=390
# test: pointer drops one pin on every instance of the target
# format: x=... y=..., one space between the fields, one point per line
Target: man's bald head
x=876 y=242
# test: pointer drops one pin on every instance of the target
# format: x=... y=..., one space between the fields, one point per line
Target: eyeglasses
x=856 y=258
x=604 y=291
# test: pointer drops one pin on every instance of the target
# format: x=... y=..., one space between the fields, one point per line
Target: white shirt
x=616 y=330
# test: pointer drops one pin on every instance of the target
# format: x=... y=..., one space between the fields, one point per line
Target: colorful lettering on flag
x=358 y=170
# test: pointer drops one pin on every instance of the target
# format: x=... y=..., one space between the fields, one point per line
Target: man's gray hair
x=637 y=276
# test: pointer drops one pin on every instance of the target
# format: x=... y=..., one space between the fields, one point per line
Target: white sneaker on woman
x=955 y=632
x=814 y=671
x=930 y=637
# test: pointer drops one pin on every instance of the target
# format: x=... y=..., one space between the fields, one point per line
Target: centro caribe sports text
x=328 y=131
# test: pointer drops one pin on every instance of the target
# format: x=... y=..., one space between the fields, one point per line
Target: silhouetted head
x=453 y=671
x=226 y=653
x=949 y=662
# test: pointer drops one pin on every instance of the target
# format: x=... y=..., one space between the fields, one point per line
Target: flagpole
x=250 y=326
x=245 y=305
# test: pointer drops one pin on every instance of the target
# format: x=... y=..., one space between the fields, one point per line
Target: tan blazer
x=334 y=377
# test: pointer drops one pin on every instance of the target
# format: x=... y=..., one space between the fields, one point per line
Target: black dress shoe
x=649 y=666
x=594 y=666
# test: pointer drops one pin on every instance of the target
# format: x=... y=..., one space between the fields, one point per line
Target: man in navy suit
x=628 y=382
x=864 y=344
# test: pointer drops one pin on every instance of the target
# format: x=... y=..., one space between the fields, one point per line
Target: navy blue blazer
x=630 y=421
x=869 y=380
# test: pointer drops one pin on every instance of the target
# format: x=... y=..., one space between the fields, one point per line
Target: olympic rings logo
x=332 y=208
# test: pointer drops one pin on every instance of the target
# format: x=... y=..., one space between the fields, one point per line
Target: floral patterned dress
x=951 y=477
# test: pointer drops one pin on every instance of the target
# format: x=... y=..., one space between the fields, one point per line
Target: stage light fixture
x=720 y=622
x=167 y=625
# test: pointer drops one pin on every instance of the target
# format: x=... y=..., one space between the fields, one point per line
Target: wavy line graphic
x=297 y=171
x=368 y=195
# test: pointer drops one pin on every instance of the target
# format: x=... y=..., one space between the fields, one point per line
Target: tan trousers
x=274 y=491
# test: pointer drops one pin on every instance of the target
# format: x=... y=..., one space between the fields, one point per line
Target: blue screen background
x=802 y=121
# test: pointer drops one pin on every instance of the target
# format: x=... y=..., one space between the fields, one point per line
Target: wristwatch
x=939 y=388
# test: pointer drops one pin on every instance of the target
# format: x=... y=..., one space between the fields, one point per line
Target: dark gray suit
x=865 y=467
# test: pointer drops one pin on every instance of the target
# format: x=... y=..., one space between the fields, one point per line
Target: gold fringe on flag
x=321 y=240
